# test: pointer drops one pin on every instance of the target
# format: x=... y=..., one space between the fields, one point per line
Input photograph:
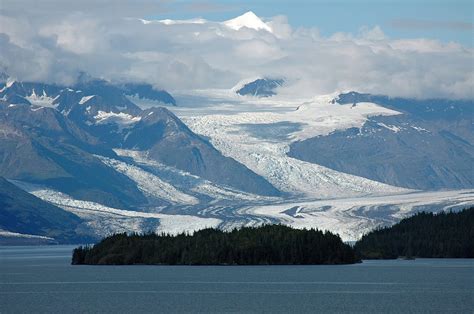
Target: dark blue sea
x=41 y=280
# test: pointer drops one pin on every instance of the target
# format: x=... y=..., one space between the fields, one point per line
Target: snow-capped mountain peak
x=249 y=20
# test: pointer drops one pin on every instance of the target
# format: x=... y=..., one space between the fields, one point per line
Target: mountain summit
x=249 y=20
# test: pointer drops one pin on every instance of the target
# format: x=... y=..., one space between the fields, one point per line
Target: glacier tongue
x=188 y=182
x=104 y=220
x=149 y=183
x=354 y=216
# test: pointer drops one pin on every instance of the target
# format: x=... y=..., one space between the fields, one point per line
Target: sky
x=421 y=49
x=445 y=20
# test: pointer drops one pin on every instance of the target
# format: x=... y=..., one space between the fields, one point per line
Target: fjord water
x=41 y=279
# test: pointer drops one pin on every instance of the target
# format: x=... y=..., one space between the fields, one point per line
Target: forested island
x=442 y=235
x=265 y=245
x=426 y=235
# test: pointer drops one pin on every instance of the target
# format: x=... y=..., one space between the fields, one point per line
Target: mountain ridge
x=429 y=146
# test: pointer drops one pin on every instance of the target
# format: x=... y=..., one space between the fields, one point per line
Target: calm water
x=40 y=279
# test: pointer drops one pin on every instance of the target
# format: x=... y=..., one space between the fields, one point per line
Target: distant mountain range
x=64 y=97
x=100 y=162
x=248 y=21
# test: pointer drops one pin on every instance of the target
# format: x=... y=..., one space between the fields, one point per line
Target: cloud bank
x=57 y=40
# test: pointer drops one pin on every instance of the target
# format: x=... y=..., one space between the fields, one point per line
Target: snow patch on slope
x=393 y=128
x=121 y=119
x=42 y=100
x=85 y=99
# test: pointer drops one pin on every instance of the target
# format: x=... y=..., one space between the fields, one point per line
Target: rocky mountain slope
x=262 y=87
x=23 y=213
x=429 y=146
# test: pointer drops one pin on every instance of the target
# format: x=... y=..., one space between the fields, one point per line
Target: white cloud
x=258 y=49
x=373 y=34
x=54 y=41
x=77 y=34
